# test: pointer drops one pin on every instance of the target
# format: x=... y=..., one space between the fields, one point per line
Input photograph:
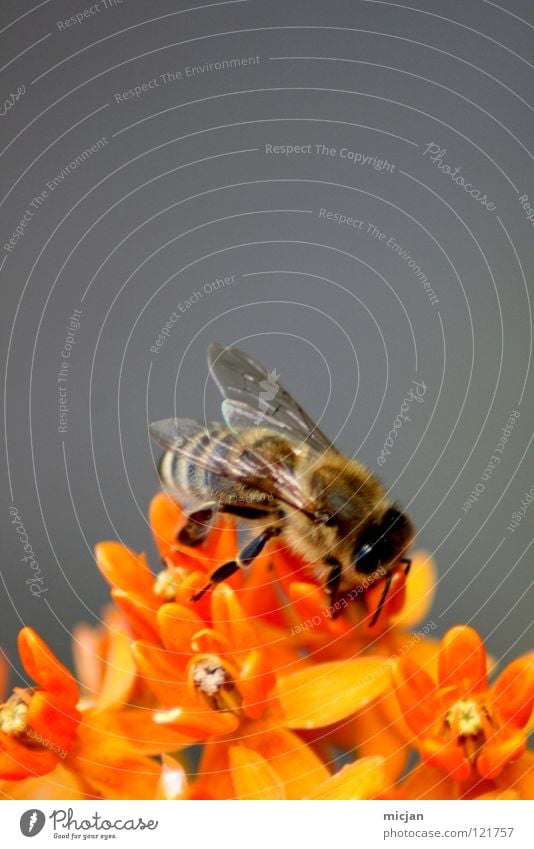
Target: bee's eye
x=367 y=559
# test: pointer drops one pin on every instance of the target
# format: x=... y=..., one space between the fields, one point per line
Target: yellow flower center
x=209 y=675
x=212 y=679
x=465 y=718
x=13 y=716
x=166 y=585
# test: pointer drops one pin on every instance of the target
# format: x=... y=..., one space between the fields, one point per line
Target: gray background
x=184 y=192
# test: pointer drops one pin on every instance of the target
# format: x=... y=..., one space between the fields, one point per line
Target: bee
x=270 y=465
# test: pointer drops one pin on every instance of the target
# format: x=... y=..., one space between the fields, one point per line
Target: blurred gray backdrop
x=343 y=189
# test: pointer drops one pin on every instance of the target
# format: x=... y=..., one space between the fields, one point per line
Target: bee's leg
x=198 y=524
x=242 y=511
x=199 y=521
x=383 y=598
x=244 y=558
x=333 y=581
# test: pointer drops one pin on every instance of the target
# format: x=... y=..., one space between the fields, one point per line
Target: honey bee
x=270 y=465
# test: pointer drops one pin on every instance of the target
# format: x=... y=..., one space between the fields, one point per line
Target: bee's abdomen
x=192 y=472
x=186 y=472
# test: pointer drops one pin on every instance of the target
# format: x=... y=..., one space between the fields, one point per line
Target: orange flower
x=139 y=592
x=204 y=675
x=216 y=666
x=38 y=724
x=272 y=686
x=49 y=748
x=462 y=726
x=211 y=676
x=213 y=682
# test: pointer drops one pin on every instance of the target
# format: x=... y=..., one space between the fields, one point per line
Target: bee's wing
x=176 y=434
x=232 y=459
x=241 y=416
x=254 y=397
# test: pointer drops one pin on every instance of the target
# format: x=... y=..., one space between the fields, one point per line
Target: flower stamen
x=209 y=675
x=13 y=715
x=465 y=718
x=212 y=679
x=166 y=584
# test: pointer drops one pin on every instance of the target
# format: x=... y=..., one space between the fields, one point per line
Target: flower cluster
x=261 y=690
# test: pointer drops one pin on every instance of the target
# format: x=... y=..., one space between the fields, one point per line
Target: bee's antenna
x=407 y=565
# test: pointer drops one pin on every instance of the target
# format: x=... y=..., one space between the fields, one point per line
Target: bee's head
x=384 y=542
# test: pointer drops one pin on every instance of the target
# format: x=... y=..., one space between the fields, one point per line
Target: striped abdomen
x=210 y=466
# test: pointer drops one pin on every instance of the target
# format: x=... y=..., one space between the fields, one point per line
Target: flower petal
x=497 y=794
x=141 y=616
x=131 y=731
x=499 y=750
x=17 y=761
x=513 y=692
x=327 y=692
x=88 y=651
x=214 y=777
x=162 y=674
x=60 y=783
x=198 y=724
x=126 y=777
x=119 y=672
x=260 y=595
x=252 y=776
x=309 y=602
x=124 y=569
x=222 y=542
x=294 y=762
x=425 y=782
x=415 y=690
x=104 y=660
x=178 y=624
x=420 y=590
x=448 y=756
x=255 y=682
x=462 y=660
x=363 y=779
x=4 y=675
x=312 y=608
x=372 y=734
x=288 y=567
x=166 y=519
x=231 y=620
x=519 y=776
x=54 y=722
x=44 y=667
